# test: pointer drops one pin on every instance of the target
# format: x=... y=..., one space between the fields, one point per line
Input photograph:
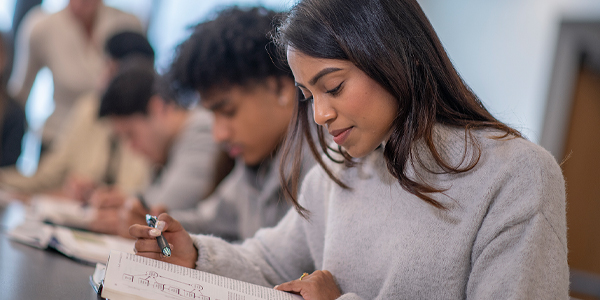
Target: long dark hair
x=393 y=42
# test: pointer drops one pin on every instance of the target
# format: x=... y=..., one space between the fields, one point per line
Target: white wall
x=6 y=14
x=504 y=50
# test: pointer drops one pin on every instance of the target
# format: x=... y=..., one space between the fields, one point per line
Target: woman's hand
x=183 y=251
x=318 y=285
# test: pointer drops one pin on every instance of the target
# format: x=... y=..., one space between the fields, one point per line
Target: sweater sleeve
x=520 y=251
x=273 y=256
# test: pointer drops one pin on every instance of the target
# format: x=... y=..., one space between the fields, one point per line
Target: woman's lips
x=340 y=136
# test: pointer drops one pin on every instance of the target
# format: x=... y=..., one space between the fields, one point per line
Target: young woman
x=425 y=196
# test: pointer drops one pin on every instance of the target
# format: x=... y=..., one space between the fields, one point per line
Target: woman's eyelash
x=336 y=89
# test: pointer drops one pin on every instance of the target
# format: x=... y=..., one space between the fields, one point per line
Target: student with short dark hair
x=145 y=114
x=228 y=61
x=424 y=195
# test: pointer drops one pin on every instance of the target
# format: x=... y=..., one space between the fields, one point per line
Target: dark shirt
x=13 y=129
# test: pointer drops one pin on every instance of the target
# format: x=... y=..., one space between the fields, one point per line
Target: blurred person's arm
x=111 y=211
x=117 y=212
x=107 y=197
x=57 y=163
x=78 y=187
x=27 y=58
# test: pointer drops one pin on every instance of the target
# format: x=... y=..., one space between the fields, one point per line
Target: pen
x=162 y=241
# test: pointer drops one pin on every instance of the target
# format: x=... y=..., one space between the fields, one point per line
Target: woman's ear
x=283 y=88
x=287 y=91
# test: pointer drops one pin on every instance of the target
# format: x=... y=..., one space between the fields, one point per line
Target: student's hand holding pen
x=183 y=251
x=109 y=211
x=78 y=187
x=106 y=220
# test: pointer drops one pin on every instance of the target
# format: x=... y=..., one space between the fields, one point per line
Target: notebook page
x=129 y=274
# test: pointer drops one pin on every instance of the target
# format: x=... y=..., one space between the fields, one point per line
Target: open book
x=129 y=276
x=81 y=245
x=36 y=225
x=59 y=211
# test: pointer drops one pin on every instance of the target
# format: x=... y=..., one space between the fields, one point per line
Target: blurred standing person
x=69 y=43
x=86 y=153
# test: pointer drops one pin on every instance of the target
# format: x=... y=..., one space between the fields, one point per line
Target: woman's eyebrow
x=318 y=76
x=323 y=73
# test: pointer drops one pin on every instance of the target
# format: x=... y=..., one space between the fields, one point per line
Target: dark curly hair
x=234 y=48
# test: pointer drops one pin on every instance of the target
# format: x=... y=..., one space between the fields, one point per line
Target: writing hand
x=316 y=286
x=78 y=187
x=183 y=251
x=107 y=196
x=105 y=220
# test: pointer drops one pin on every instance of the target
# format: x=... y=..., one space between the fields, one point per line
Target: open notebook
x=59 y=211
x=84 y=246
x=129 y=276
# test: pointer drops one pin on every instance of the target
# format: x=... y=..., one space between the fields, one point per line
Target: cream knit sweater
x=503 y=235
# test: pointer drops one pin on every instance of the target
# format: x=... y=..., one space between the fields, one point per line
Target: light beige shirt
x=83 y=148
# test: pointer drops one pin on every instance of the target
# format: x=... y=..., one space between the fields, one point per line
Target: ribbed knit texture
x=503 y=235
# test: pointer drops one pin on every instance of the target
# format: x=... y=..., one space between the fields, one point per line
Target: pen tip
x=166 y=252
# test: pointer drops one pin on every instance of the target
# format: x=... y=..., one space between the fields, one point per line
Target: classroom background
x=535 y=64
x=503 y=49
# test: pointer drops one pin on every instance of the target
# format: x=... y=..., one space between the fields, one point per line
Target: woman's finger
x=147 y=245
x=294 y=286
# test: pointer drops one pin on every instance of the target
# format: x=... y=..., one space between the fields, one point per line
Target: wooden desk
x=30 y=273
